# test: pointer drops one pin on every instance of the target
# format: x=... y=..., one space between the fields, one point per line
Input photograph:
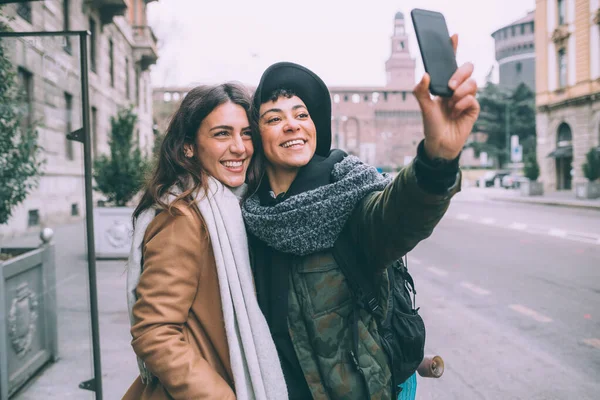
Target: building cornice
x=572 y=102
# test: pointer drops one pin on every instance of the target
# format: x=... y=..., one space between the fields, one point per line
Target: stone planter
x=531 y=188
x=587 y=190
x=113 y=231
x=28 y=320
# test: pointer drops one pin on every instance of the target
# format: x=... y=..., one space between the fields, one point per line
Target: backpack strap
x=362 y=292
x=361 y=286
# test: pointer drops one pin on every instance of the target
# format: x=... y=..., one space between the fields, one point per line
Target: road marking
x=530 y=313
x=557 y=233
x=438 y=271
x=475 y=289
x=588 y=238
x=518 y=226
x=592 y=342
x=415 y=261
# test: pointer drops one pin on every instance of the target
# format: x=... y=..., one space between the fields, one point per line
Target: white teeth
x=292 y=143
x=232 y=164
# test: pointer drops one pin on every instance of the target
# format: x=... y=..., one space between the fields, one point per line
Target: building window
x=111 y=62
x=176 y=96
x=33 y=218
x=66 y=25
x=356 y=98
x=403 y=96
x=522 y=29
x=127 y=90
x=69 y=125
x=94 y=132
x=346 y=97
x=167 y=97
x=519 y=67
x=93 y=44
x=147 y=95
x=561 y=12
x=562 y=68
x=24 y=11
x=375 y=97
x=74 y=210
x=512 y=31
x=385 y=96
x=137 y=85
x=26 y=97
x=336 y=98
x=564 y=137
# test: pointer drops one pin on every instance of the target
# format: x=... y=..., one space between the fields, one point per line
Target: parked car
x=489 y=178
x=512 y=181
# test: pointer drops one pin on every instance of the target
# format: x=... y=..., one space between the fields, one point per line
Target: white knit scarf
x=254 y=361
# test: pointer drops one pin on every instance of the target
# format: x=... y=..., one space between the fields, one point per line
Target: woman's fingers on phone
x=467 y=104
x=462 y=74
x=454 y=40
x=468 y=87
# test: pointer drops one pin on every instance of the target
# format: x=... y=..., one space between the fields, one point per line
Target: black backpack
x=401 y=331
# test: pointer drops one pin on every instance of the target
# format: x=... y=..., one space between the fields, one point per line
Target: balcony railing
x=145 y=46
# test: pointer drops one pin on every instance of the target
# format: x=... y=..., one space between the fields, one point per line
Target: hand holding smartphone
x=436 y=49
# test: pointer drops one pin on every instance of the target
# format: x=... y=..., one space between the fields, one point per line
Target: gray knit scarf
x=311 y=221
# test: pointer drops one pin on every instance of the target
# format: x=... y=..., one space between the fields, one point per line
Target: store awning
x=562 y=152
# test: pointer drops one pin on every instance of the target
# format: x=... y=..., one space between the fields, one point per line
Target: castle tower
x=400 y=67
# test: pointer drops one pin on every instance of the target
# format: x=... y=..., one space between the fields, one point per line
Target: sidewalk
x=560 y=199
x=61 y=379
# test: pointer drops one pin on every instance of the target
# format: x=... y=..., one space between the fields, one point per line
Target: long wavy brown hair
x=173 y=168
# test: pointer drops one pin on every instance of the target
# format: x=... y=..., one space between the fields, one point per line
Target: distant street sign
x=516 y=155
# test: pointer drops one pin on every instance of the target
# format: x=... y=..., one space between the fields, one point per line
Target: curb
x=556 y=203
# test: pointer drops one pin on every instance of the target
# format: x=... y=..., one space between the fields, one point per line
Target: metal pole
x=89 y=209
x=96 y=383
x=507 y=129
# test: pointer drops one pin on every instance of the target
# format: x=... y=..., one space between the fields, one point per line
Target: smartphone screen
x=436 y=49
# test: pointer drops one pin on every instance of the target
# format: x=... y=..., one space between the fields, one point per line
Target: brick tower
x=400 y=67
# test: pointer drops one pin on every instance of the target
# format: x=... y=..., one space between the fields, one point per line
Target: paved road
x=512 y=301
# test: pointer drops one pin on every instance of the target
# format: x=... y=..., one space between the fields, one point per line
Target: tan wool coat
x=179 y=330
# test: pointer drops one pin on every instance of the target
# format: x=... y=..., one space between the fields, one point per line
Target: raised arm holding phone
x=315 y=207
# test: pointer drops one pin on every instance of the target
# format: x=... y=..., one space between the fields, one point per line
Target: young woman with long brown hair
x=197 y=329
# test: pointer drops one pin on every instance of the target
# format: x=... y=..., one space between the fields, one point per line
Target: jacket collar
x=313 y=175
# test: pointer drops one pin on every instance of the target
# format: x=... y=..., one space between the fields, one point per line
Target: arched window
x=564 y=136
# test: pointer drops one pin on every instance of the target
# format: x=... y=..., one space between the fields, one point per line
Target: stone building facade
x=380 y=124
x=567 y=88
x=121 y=49
x=515 y=53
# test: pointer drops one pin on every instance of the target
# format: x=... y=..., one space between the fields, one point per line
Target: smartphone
x=436 y=49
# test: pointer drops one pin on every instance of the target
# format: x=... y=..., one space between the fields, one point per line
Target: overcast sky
x=345 y=42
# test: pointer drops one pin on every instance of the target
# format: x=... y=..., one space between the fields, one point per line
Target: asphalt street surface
x=510 y=294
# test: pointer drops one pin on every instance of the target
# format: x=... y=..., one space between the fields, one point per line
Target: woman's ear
x=188 y=150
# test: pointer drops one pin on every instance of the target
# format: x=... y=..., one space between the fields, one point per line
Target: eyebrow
x=297 y=106
x=226 y=127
